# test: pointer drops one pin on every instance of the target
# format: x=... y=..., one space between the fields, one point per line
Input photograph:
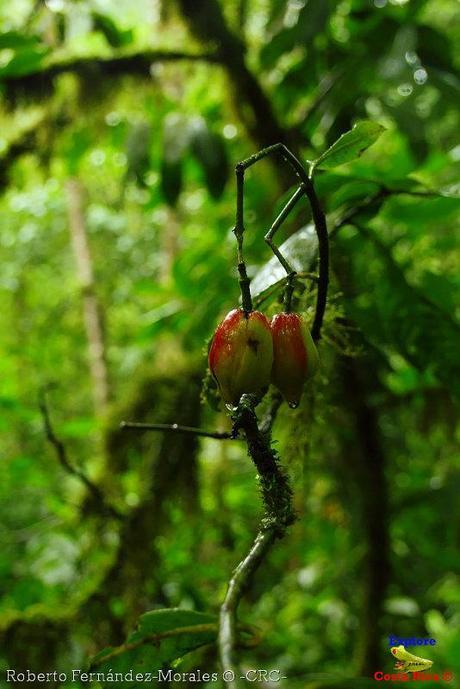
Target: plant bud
x=295 y=357
x=241 y=354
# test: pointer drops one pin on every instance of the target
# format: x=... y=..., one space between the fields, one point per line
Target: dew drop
x=411 y=57
x=420 y=75
x=405 y=89
x=293 y=405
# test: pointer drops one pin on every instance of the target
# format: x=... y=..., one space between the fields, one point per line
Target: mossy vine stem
x=279 y=514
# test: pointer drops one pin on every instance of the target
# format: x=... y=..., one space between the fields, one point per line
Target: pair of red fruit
x=248 y=352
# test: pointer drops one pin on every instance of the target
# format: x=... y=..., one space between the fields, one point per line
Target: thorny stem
x=279 y=514
x=239 y=232
x=319 y=220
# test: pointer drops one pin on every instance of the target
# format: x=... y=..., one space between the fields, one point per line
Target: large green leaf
x=396 y=315
x=350 y=145
x=175 y=142
x=162 y=637
x=26 y=61
x=138 y=144
x=16 y=40
x=299 y=250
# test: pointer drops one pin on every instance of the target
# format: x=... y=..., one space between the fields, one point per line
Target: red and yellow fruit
x=295 y=357
x=241 y=354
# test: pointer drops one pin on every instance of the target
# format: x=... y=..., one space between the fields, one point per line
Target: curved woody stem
x=306 y=187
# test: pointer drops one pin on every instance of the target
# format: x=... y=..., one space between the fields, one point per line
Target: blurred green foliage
x=104 y=92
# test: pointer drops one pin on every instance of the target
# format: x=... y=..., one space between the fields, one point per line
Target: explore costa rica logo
x=408 y=662
x=410 y=667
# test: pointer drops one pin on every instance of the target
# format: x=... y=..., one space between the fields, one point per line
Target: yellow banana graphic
x=407 y=662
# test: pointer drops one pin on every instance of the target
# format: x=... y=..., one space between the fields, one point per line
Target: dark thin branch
x=380 y=195
x=387 y=191
x=175 y=427
x=67 y=465
x=136 y=64
x=319 y=220
x=238 y=231
x=279 y=514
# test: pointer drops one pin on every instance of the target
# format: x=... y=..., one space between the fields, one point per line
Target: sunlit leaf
x=299 y=250
x=350 y=145
x=24 y=62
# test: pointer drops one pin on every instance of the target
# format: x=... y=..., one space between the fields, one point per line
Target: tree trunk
x=91 y=308
x=367 y=464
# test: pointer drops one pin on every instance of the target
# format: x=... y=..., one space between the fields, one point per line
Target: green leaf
x=399 y=316
x=350 y=145
x=26 y=61
x=16 y=40
x=114 y=36
x=209 y=149
x=138 y=144
x=162 y=637
x=171 y=180
x=175 y=142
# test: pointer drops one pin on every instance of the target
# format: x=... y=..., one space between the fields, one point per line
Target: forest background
x=120 y=124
